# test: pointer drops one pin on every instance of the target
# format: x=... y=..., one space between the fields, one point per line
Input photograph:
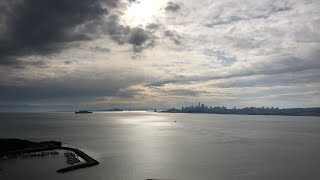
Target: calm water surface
x=141 y=145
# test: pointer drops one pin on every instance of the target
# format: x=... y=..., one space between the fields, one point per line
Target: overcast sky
x=62 y=54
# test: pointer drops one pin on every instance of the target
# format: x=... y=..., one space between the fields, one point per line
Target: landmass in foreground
x=11 y=148
x=248 y=110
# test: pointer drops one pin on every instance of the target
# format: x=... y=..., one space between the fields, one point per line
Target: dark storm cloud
x=116 y=31
x=173 y=35
x=141 y=39
x=173 y=7
x=81 y=87
x=42 y=26
x=30 y=93
x=138 y=36
x=16 y=63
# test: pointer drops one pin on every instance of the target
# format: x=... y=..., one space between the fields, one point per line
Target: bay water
x=148 y=145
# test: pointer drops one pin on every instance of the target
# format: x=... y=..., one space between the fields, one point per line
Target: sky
x=100 y=54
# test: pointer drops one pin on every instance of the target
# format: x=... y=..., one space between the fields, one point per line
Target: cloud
x=153 y=26
x=100 y=49
x=174 y=36
x=173 y=7
x=220 y=57
x=272 y=65
x=83 y=85
x=18 y=63
x=42 y=27
x=138 y=37
x=231 y=15
x=45 y=27
x=227 y=52
x=274 y=80
x=184 y=92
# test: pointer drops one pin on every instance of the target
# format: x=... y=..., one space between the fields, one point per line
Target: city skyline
x=202 y=108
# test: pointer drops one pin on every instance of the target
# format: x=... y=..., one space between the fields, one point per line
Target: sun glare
x=141 y=12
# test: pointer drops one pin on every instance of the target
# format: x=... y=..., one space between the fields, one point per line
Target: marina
x=89 y=161
x=26 y=149
x=71 y=158
x=38 y=154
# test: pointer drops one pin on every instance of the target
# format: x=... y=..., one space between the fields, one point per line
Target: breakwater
x=89 y=160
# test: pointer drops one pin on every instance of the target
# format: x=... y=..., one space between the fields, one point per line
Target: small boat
x=82 y=112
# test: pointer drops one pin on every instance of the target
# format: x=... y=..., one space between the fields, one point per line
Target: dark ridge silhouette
x=247 y=111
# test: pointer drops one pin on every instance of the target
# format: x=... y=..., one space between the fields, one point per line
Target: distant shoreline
x=247 y=111
x=315 y=111
x=236 y=114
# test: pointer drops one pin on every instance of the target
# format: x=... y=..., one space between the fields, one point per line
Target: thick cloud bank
x=223 y=52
